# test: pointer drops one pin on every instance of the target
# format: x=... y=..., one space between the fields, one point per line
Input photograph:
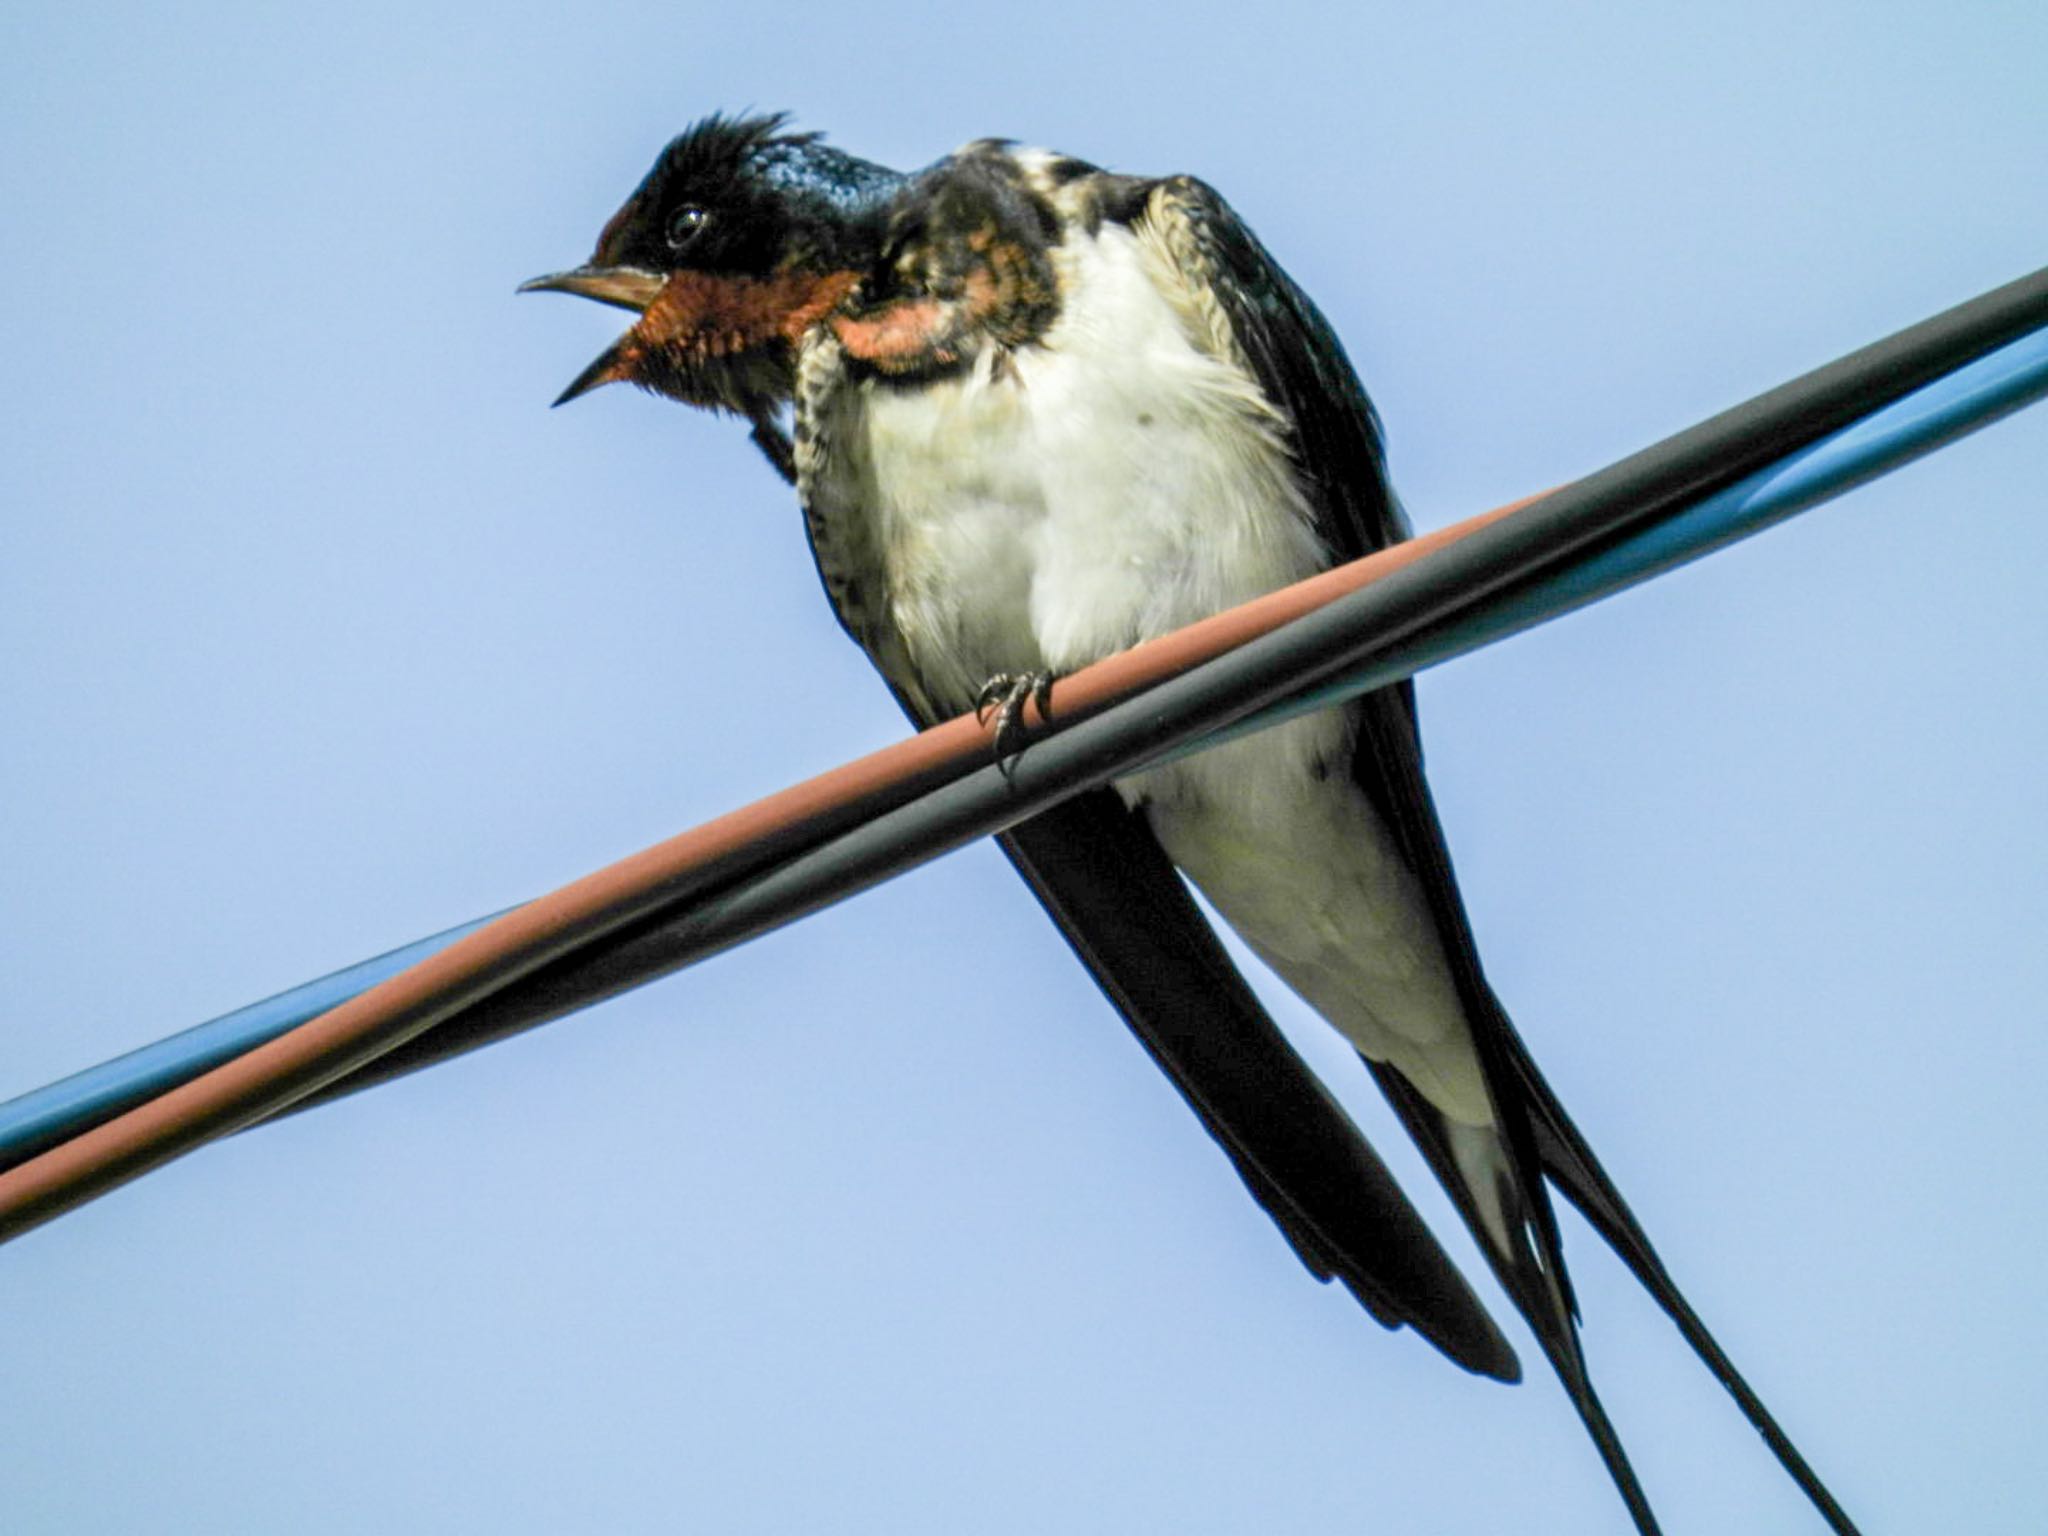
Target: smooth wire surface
x=51 y=1114
x=753 y=837
x=1972 y=397
x=1502 y=575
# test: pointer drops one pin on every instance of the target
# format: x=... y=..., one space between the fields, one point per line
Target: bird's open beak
x=626 y=287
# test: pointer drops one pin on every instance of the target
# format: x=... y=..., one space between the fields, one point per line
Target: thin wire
x=52 y=1114
x=1936 y=415
x=1494 y=580
x=1972 y=397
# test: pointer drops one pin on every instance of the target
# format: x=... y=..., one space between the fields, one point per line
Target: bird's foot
x=1004 y=697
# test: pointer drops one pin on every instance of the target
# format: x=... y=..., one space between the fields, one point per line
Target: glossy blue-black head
x=740 y=238
x=739 y=195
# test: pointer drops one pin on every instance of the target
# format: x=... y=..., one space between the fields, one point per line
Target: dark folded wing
x=1340 y=459
x=1301 y=366
x=1105 y=880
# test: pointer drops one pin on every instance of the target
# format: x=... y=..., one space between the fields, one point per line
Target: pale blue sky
x=319 y=632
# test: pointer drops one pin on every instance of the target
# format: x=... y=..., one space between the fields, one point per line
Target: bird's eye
x=685 y=225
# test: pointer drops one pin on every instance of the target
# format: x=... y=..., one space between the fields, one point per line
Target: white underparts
x=1121 y=478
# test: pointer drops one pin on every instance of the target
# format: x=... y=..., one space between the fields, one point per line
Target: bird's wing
x=1300 y=365
x=1335 y=437
x=1104 y=879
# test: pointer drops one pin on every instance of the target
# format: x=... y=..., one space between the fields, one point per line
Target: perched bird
x=1042 y=412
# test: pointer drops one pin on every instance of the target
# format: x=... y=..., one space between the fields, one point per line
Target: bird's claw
x=1003 y=697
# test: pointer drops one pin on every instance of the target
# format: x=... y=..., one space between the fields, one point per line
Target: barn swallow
x=1042 y=412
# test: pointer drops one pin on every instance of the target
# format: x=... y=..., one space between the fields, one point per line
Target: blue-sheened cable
x=893 y=841
x=1933 y=416
x=60 y=1111
x=1953 y=405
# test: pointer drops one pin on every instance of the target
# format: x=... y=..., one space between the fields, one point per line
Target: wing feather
x=1339 y=451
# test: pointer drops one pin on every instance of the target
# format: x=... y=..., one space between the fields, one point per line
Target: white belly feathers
x=1119 y=479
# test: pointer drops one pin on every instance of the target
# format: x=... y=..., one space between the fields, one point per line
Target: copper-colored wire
x=274 y=1075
